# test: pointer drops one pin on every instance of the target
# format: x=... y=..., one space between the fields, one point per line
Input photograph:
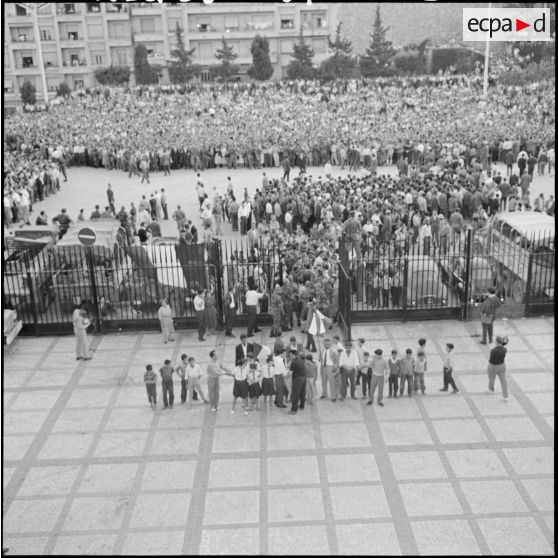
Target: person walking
x=166 y=372
x=199 y=307
x=379 y=376
x=193 y=375
x=348 y=365
x=488 y=315
x=448 y=362
x=165 y=319
x=81 y=322
x=497 y=366
x=298 y=395
x=150 y=379
x=215 y=370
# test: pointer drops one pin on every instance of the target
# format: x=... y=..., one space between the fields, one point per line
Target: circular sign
x=87 y=236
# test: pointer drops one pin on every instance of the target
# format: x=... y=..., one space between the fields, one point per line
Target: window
x=72 y=36
x=8 y=87
x=93 y=8
x=74 y=59
x=287 y=23
x=78 y=84
x=147 y=25
x=231 y=22
x=121 y=58
x=69 y=9
x=20 y=10
x=244 y=49
x=27 y=61
x=117 y=30
x=98 y=58
x=115 y=8
x=205 y=75
x=46 y=34
x=173 y=22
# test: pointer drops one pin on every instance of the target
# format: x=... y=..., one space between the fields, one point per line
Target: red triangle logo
x=520 y=25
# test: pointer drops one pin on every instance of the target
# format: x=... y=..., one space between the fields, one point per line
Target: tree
x=301 y=67
x=63 y=90
x=261 y=68
x=227 y=69
x=28 y=93
x=377 y=58
x=182 y=69
x=113 y=75
x=144 y=73
x=340 y=64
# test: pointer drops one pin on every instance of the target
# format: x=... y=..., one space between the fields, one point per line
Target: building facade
x=77 y=38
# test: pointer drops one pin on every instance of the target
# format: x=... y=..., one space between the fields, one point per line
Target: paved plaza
x=89 y=468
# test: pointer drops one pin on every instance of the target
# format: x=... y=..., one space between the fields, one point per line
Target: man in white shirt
x=193 y=375
x=280 y=372
x=199 y=307
x=348 y=364
x=252 y=298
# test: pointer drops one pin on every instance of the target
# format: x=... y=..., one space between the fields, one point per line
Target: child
x=311 y=370
x=240 y=387
x=268 y=373
x=193 y=375
x=150 y=379
x=365 y=372
x=379 y=376
x=407 y=372
x=448 y=361
x=420 y=369
x=254 y=390
x=394 y=363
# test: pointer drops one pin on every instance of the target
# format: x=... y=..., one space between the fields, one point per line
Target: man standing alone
x=166 y=372
x=298 y=395
x=488 y=315
x=80 y=323
x=199 y=307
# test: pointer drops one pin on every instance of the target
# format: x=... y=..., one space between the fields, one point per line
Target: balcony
x=148 y=37
x=116 y=11
x=27 y=70
x=124 y=40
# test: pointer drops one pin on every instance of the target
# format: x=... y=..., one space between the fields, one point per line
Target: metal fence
x=394 y=279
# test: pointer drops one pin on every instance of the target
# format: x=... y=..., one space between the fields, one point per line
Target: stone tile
x=459 y=431
x=293 y=437
x=359 y=502
x=475 y=383
x=446 y=406
x=452 y=537
x=469 y=364
x=549 y=521
x=219 y=505
x=161 y=510
x=405 y=408
x=180 y=417
x=24 y=546
x=355 y=540
x=14 y=447
x=345 y=436
x=237 y=541
x=7 y=473
x=369 y=332
x=534 y=381
x=531 y=461
x=493 y=496
x=350 y=467
x=240 y=440
x=461 y=345
x=113 y=477
x=51 y=377
x=541 y=491
x=101 y=375
x=490 y=405
x=91 y=397
x=36 y=400
x=120 y=444
x=513 y=429
x=430 y=499
x=295 y=504
x=130 y=418
x=159 y=475
x=336 y=412
x=417 y=465
x=297 y=540
x=405 y=433
x=529 y=326
x=507 y=536
x=13 y=379
x=543 y=402
x=135 y=396
x=48 y=481
x=121 y=341
x=541 y=341
x=154 y=543
x=22 y=422
x=85 y=545
x=292 y=470
x=31 y=516
x=60 y=359
x=274 y=416
x=548 y=357
x=475 y=463
x=92 y=513
x=78 y=420
x=225 y=473
x=550 y=421
x=67 y=446
x=521 y=361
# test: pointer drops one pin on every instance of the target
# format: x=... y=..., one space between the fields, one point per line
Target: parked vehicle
x=425 y=288
x=482 y=276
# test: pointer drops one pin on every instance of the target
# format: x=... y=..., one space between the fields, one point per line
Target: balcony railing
x=80 y=62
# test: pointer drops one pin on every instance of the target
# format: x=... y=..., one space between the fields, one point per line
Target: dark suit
x=253 y=348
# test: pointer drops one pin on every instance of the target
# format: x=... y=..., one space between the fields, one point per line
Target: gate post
x=217 y=257
x=94 y=294
x=468 y=246
x=32 y=296
x=529 y=281
x=405 y=286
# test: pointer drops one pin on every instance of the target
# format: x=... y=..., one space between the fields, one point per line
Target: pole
x=33 y=10
x=486 y=58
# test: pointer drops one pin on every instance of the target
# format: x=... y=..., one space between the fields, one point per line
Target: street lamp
x=33 y=8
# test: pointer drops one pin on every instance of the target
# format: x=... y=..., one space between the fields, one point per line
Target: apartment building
x=77 y=38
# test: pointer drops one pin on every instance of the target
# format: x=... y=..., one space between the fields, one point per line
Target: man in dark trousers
x=298 y=394
x=110 y=197
x=286 y=163
x=168 y=388
x=488 y=314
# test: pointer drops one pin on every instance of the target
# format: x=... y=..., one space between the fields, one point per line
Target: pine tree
x=301 y=66
x=340 y=64
x=182 y=69
x=144 y=73
x=261 y=68
x=28 y=93
x=227 y=69
x=376 y=60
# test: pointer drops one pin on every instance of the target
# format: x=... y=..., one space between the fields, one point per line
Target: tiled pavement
x=88 y=468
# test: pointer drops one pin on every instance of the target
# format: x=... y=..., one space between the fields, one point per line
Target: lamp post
x=486 y=58
x=33 y=8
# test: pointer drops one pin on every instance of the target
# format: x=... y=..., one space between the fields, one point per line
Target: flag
x=316 y=326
